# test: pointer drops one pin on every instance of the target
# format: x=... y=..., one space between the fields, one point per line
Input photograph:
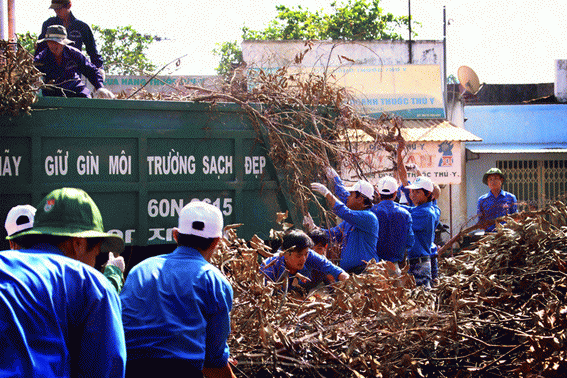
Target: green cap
x=493 y=171
x=72 y=212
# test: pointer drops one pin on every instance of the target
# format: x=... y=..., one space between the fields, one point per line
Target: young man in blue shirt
x=497 y=202
x=358 y=232
x=424 y=218
x=395 y=236
x=295 y=256
x=63 y=65
x=176 y=307
x=59 y=316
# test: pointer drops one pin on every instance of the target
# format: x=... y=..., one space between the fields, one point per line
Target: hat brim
x=111 y=243
x=485 y=177
x=64 y=41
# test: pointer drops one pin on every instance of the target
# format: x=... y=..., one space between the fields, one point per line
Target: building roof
x=534 y=148
x=426 y=130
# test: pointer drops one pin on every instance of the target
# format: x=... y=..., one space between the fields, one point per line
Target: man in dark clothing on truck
x=79 y=32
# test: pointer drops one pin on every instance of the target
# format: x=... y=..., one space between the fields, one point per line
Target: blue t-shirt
x=177 y=305
x=490 y=207
x=395 y=234
x=67 y=76
x=358 y=234
x=58 y=317
x=79 y=32
x=274 y=267
x=424 y=219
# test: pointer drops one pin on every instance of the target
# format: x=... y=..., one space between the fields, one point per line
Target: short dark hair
x=296 y=240
x=319 y=237
x=194 y=241
x=387 y=196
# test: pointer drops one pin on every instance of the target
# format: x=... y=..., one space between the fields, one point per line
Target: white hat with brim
x=387 y=185
x=363 y=187
x=19 y=218
x=422 y=182
x=56 y=33
x=200 y=219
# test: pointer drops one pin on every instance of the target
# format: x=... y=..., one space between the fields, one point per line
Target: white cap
x=387 y=185
x=200 y=219
x=19 y=218
x=422 y=182
x=364 y=187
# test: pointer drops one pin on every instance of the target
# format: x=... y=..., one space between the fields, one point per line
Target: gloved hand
x=320 y=188
x=116 y=261
x=308 y=223
x=104 y=93
x=331 y=174
x=101 y=71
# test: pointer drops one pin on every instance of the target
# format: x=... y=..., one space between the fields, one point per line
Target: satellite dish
x=468 y=80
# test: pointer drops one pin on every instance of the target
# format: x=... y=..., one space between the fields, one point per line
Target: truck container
x=142 y=161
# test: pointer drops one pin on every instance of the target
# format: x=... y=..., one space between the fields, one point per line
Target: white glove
x=308 y=223
x=104 y=93
x=116 y=261
x=331 y=174
x=320 y=188
x=102 y=73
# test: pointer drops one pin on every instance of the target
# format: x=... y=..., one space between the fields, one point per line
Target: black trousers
x=161 y=367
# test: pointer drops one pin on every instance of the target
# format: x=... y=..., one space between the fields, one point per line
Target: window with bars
x=535 y=182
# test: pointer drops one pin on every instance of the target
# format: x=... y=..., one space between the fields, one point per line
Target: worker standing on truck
x=79 y=32
x=63 y=65
x=358 y=232
x=497 y=202
x=176 y=307
x=296 y=256
x=60 y=317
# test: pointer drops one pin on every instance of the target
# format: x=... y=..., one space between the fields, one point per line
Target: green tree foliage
x=230 y=56
x=123 y=50
x=27 y=41
x=354 y=20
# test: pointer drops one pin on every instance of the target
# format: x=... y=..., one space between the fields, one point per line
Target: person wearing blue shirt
x=434 y=248
x=79 y=32
x=358 y=233
x=497 y=202
x=63 y=65
x=59 y=316
x=295 y=256
x=395 y=235
x=423 y=224
x=176 y=307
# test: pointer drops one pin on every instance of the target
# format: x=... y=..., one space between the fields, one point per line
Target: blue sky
x=503 y=41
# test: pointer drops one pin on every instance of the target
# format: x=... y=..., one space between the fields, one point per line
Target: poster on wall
x=440 y=161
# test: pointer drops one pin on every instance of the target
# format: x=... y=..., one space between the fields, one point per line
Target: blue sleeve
x=514 y=205
x=406 y=192
x=88 y=69
x=479 y=211
x=218 y=322
x=318 y=262
x=275 y=269
x=102 y=351
x=336 y=233
x=90 y=46
x=340 y=192
x=363 y=220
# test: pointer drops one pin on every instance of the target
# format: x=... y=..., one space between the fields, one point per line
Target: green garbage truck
x=141 y=161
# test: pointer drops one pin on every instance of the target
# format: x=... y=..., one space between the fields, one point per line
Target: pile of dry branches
x=499 y=310
x=18 y=79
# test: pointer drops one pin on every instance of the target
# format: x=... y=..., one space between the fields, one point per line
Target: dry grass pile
x=18 y=79
x=499 y=310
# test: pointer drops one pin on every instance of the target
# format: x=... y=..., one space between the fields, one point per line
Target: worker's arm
x=402 y=172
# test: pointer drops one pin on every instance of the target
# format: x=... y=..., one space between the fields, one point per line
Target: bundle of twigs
x=18 y=79
x=499 y=310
